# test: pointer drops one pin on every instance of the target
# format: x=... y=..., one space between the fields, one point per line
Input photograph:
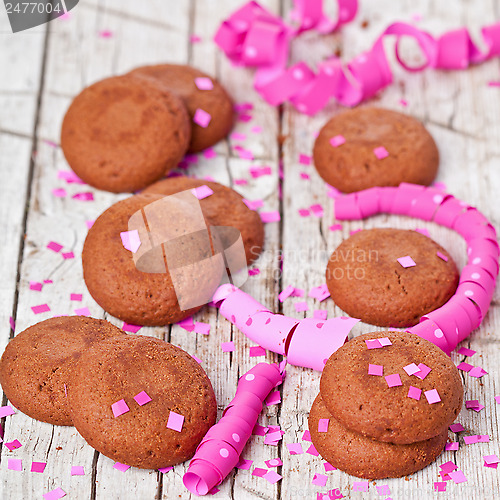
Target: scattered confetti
x=432 y=396
x=457 y=427
x=59 y=192
x=5 y=411
x=40 y=309
x=119 y=408
x=244 y=464
x=383 y=490
x=381 y=153
x=465 y=367
x=55 y=247
x=203 y=328
x=36 y=286
x=440 y=486
x=83 y=311
x=227 y=346
x=393 y=380
x=323 y=424
x=38 y=466
x=295 y=448
x=414 y=392
x=164 y=470
x=131 y=240
x=335 y=227
x=457 y=476
x=175 y=421
x=406 y=261
x=451 y=446
x=83 y=196
x=54 y=494
x=77 y=470
x=202 y=118
x=13 y=445
x=105 y=34
x=312 y=451
x=259 y=472
x=202 y=192
x=411 y=369
x=306 y=436
x=256 y=351
x=121 y=467
x=466 y=352
x=424 y=371
x=253 y=205
x=274 y=462
x=320 y=314
x=360 y=486
x=142 y=398
x=127 y=327
x=204 y=83
x=272 y=476
x=273 y=398
x=320 y=479
x=257 y=172
x=273 y=216
x=15 y=464
x=337 y=141
x=375 y=370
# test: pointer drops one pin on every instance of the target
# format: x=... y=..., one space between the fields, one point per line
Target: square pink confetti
x=432 y=396
x=471 y=439
x=323 y=424
x=381 y=153
x=312 y=451
x=491 y=459
x=273 y=399
x=451 y=446
x=36 y=286
x=5 y=411
x=204 y=83
x=274 y=462
x=83 y=196
x=227 y=346
x=306 y=436
x=273 y=216
x=424 y=371
x=411 y=369
x=259 y=430
x=465 y=367
x=335 y=227
x=329 y=467
x=244 y=464
x=272 y=476
x=440 y=486
x=375 y=370
x=119 y=408
x=303 y=212
x=68 y=255
x=373 y=344
x=448 y=467
x=131 y=240
x=256 y=351
x=406 y=261
x=164 y=470
x=77 y=470
x=253 y=204
x=127 y=327
x=59 y=192
x=83 y=311
x=393 y=380
x=38 y=466
x=175 y=421
x=457 y=476
x=457 y=427
x=471 y=404
x=287 y=292
x=254 y=271
x=55 y=247
x=442 y=256
x=304 y=159
x=202 y=118
x=202 y=192
x=466 y=351
x=320 y=479
x=337 y=141
x=13 y=445
x=295 y=448
x=78 y=297
x=384 y=341
x=142 y=398
x=121 y=467
x=54 y=494
x=203 y=328
x=414 y=392
x=40 y=309
x=259 y=472
x=477 y=372
x=15 y=464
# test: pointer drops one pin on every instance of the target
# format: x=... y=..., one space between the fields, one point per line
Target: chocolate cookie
x=123 y=367
x=36 y=363
x=224 y=208
x=124 y=133
x=365 y=403
x=183 y=81
x=354 y=165
x=364 y=457
x=168 y=278
x=367 y=281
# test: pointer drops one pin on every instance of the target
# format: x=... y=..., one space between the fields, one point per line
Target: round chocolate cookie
x=364 y=457
x=122 y=133
x=36 y=364
x=366 y=280
x=121 y=369
x=171 y=274
x=366 y=404
x=224 y=208
x=183 y=81
x=353 y=165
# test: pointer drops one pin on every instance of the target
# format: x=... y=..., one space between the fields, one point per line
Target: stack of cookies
x=123 y=133
x=138 y=400
x=386 y=401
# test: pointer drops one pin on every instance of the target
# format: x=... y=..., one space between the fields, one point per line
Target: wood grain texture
x=42 y=70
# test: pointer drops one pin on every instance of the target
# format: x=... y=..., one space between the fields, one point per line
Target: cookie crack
x=401 y=284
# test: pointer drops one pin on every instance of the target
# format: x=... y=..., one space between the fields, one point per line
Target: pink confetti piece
x=317 y=210
x=54 y=494
x=274 y=462
x=295 y=448
x=257 y=172
x=128 y=327
x=59 y=192
x=47 y=282
x=273 y=216
x=227 y=346
x=491 y=459
x=89 y=223
x=273 y=398
x=432 y=396
x=337 y=141
x=424 y=371
x=13 y=445
x=411 y=369
x=466 y=351
x=440 y=486
x=451 y=446
x=68 y=255
x=54 y=246
x=204 y=83
x=329 y=467
x=403 y=103
x=465 y=367
x=105 y=34
x=323 y=424
x=36 y=286
x=497 y=398
x=40 y=309
x=203 y=328
x=243 y=153
x=256 y=351
x=305 y=159
x=375 y=370
x=253 y=205
x=272 y=438
x=457 y=476
x=360 y=486
x=119 y=408
x=202 y=192
x=7 y=410
x=202 y=118
x=131 y=240
x=38 y=466
x=86 y=196
x=70 y=177
x=304 y=176
x=477 y=372
x=373 y=344
x=301 y=306
x=12 y=323
x=244 y=464
x=164 y=470
x=448 y=467
x=442 y=256
x=15 y=464
x=121 y=467
x=306 y=436
x=82 y=311
x=471 y=404
x=259 y=472
x=142 y=398
x=77 y=297
x=77 y=470
x=237 y=136
x=471 y=439
x=319 y=479
x=312 y=451
x=384 y=341
x=209 y=153
x=483 y=438
x=175 y=421
x=272 y=476
x=381 y=153
x=393 y=380
x=406 y=261
x=423 y=231
x=414 y=392
x=335 y=227
x=187 y=324
x=457 y=427
x=304 y=212
x=254 y=271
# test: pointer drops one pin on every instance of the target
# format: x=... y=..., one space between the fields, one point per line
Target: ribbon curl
x=252 y=36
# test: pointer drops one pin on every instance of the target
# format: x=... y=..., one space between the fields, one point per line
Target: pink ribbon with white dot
x=253 y=36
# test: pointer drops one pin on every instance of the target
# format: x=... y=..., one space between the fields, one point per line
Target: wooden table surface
x=44 y=68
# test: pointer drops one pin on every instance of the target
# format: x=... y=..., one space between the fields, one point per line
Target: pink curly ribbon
x=220 y=449
x=252 y=36
x=455 y=320
x=307 y=342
